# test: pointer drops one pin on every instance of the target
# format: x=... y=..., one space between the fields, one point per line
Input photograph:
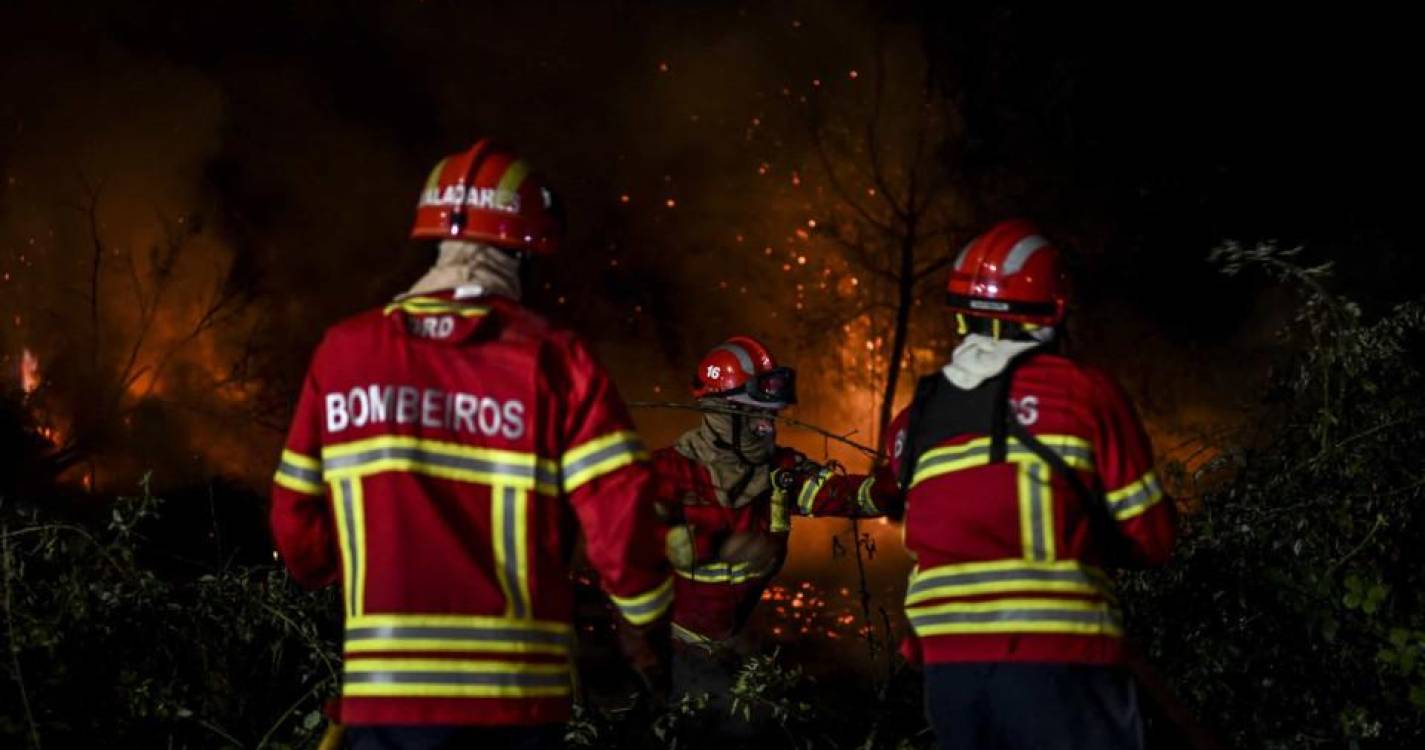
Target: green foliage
x=109 y=644
x=771 y=704
x=1292 y=615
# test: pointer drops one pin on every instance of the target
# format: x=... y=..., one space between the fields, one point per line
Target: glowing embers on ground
x=806 y=609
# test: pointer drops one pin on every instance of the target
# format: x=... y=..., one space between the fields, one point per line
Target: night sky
x=291 y=140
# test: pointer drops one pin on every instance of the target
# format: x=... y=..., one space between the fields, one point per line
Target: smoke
x=289 y=168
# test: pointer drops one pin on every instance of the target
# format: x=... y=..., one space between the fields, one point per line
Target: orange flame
x=29 y=372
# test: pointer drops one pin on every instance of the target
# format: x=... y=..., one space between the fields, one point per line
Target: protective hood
x=979 y=358
x=737 y=480
x=473 y=269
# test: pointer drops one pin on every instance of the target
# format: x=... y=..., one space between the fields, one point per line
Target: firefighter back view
x=1026 y=475
x=444 y=450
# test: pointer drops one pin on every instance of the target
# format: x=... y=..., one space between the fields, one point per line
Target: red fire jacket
x=713 y=597
x=1007 y=568
x=440 y=451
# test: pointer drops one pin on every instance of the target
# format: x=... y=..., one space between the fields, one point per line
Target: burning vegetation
x=174 y=237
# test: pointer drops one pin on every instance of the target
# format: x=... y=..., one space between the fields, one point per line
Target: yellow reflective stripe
x=510 y=182
x=724 y=572
x=806 y=499
x=440 y=459
x=301 y=461
x=380 y=690
x=435 y=620
x=454 y=665
x=1136 y=497
x=781 y=512
x=299 y=473
x=1005 y=577
x=1076 y=452
x=1026 y=615
x=297 y=485
x=950 y=459
x=396 y=633
x=453 y=677
x=508 y=528
x=648 y=606
x=431 y=306
x=344 y=544
x=358 y=523
x=865 y=500
x=600 y=456
x=433 y=180
x=1023 y=496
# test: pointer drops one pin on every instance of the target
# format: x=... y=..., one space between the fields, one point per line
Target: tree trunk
x=905 y=300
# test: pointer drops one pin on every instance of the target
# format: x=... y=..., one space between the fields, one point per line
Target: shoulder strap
x=915 y=415
x=1105 y=529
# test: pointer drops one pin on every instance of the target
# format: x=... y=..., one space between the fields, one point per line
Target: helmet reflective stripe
x=960 y=259
x=1022 y=252
x=512 y=179
x=433 y=181
x=744 y=359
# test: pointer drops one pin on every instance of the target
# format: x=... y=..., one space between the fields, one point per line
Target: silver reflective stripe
x=960 y=259
x=1081 y=452
x=348 y=506
x=622 y=447
x=1016 y=450
x=655 y=605
x=1144 y=495
x=510 y=500
x=419 y=455
x=743 y=358
x=1022 y=252
x=978 y=451
x=1036 y=511
x=503 y=679
x=1105 y=617
x=932 y=580
x=455 y=633
x=722 y=572
x=864 y=500
x=296 y=472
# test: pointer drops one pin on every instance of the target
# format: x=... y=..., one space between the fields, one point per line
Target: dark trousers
x=542 y=737
x=1040 y=706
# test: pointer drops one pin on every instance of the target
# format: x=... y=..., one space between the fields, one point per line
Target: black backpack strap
x=915 y=416
x=1105 y=529
x=1001 y=420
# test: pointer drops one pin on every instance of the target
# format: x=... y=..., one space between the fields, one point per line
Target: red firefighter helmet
x=1010 y=272
x=488 y=194
x=741 y=369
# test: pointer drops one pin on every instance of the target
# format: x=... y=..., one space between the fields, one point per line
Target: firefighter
x=443 y=447
x=1027 y=474
x=730 y=491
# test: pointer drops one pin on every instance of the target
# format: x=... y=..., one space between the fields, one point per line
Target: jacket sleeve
x=606 y=477
x=301 y=514
x=1124 y=459
x=817 y=490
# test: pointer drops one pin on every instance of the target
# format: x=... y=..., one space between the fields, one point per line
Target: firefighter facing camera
x=729 y=492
